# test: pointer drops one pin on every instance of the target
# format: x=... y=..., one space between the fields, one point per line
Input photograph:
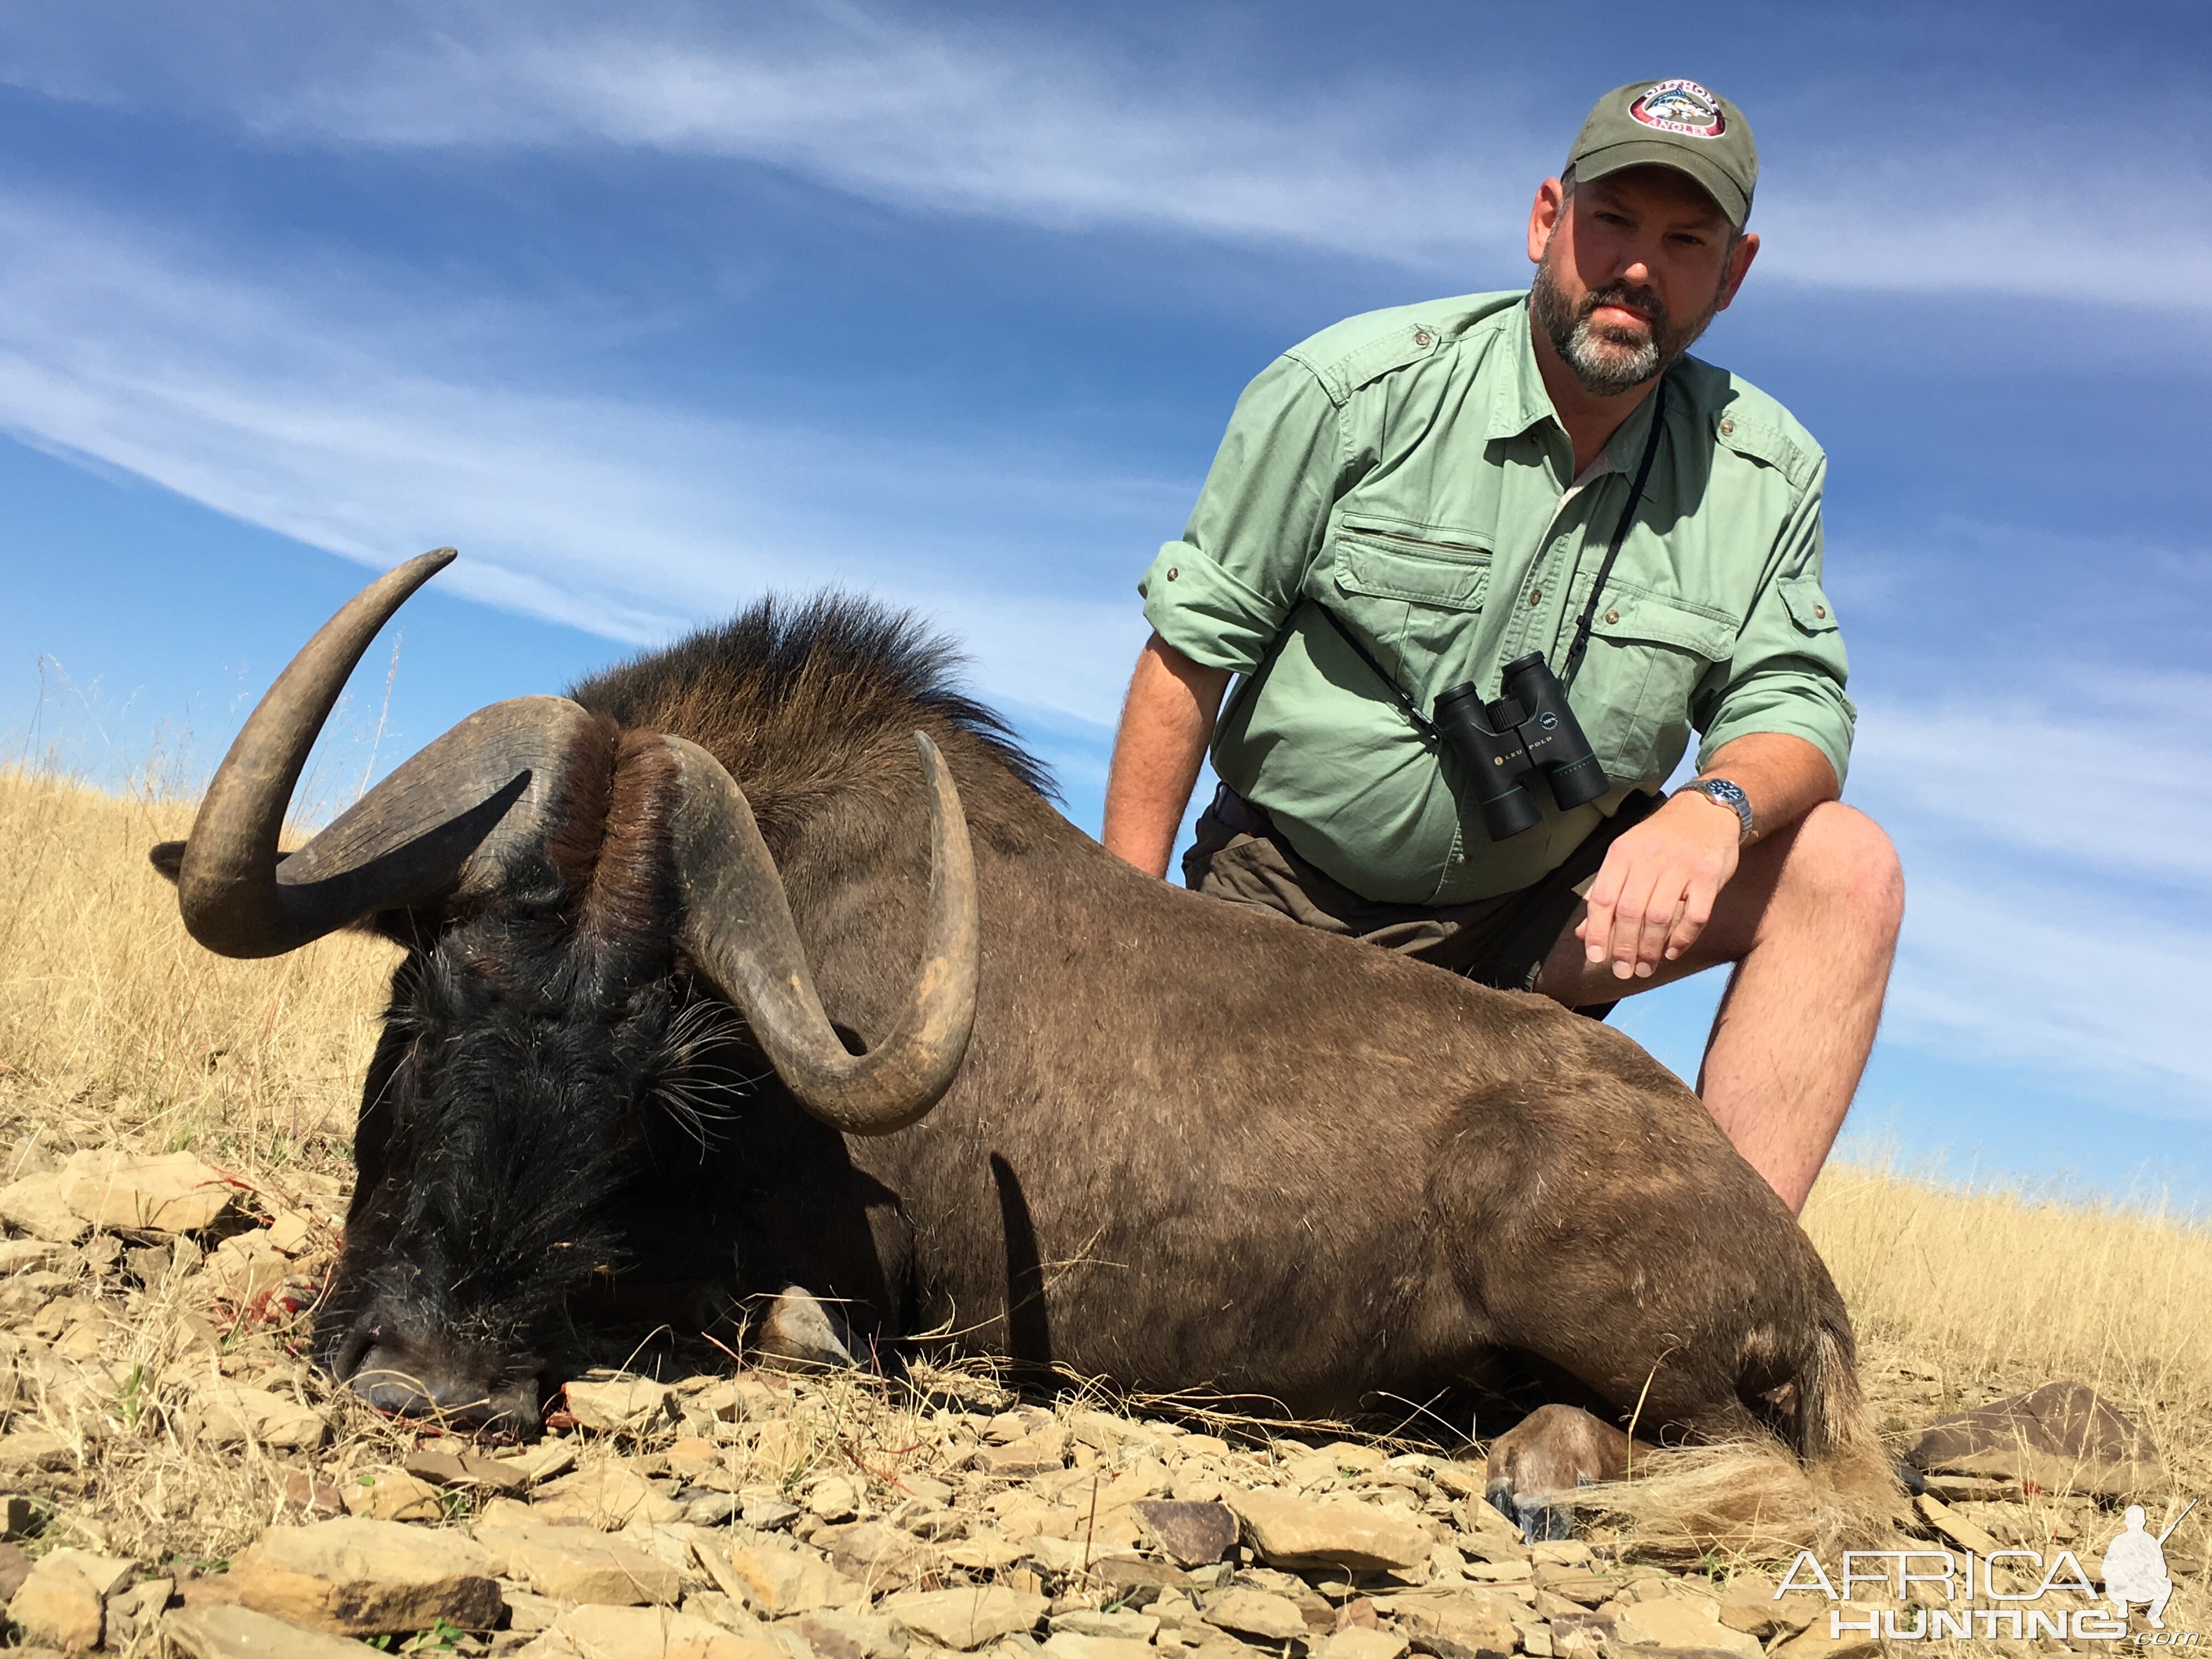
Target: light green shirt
x=1406 y=469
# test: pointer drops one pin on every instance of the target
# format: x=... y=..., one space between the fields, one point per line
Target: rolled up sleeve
x=1788 y=670
x=1221 y=594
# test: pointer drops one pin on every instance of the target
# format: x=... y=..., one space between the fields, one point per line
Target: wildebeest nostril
x=465 y=1390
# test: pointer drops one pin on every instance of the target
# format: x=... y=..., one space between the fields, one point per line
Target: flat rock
x=575 y=1564
x=1814 y=1642
x=965 y=1619
x=1068 y=1644
x=467 y=1469
x=221 y=1631
x=358 y=1576
x=779 y=1580
x=389 y=1494
x=834 y=1633
x=600 y=1632
x=620 y=1405
x=1255 y=1613
x=1121 y=1625
x=172 y=1193
x=24 y=1449
x=1454 y=1622
x=33 y=1205
x=609 y=1496
x=1293 y=1532
x=228 y=1414
x=1188 y=1535
x=869 y=1549
x=17 y=1255
x=1355 y=1643
x=2064 y=1436
x=1683 y=1622
x=14 y=1568
x=1954 y=1526
x=57 y=1605
x=1043 y=1453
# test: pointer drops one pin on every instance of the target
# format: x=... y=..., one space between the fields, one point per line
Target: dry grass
x=1977 y=1292
x=114 y=1024
x=115 y=1028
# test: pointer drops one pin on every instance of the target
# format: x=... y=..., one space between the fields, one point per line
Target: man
x=1423 y=495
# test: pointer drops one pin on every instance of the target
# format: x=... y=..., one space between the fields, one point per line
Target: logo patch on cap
x=1682 y=106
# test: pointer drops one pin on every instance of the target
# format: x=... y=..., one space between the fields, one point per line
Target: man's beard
x=1610 y=361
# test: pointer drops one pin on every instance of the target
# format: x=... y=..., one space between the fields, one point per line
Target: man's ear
x=1740 y=258
x=168 y=857
x=1544 y=217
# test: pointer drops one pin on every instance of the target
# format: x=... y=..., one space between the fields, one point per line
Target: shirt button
x=1421 y=337
x=1535 y=596
x=1613 y=615
x=1173 y=572
x=1728 y=428
x=1820 y=609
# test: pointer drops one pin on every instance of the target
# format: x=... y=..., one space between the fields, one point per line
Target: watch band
x=1729 y=795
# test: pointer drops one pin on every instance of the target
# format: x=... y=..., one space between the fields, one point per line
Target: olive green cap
x=1672 y=123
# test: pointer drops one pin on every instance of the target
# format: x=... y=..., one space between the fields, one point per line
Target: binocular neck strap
x=1421 y=722
x=1619 y=532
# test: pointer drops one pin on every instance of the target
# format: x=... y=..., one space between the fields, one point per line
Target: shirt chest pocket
x=1647 y=653
x=1414 y=594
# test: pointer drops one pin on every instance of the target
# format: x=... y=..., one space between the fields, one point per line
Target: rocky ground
x=177 y=1480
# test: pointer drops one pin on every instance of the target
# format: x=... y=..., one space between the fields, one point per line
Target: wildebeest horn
x=443 y=821
x=738 y=924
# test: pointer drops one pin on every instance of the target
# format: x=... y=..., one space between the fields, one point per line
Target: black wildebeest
x=694 y=958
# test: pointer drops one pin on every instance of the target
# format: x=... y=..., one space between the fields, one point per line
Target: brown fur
x=1194 y=1147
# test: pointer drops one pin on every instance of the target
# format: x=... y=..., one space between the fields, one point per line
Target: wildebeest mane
x=806 y=698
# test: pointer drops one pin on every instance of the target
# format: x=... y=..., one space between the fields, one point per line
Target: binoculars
x=1529 y=728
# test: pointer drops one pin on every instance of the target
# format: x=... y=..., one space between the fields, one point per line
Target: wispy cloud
x=1429 y=166
x=2055 y=911
x=624 y=518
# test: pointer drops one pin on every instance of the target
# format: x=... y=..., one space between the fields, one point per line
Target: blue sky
x=651 y=309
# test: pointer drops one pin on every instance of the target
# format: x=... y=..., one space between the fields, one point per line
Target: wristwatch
x=1727 y=794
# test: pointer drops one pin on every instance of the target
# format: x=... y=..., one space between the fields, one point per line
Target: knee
x=1842 y=857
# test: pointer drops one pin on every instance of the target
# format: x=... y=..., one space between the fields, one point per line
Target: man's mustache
x=1640 y=299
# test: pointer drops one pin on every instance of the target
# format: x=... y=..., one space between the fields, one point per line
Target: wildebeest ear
x=168 y=857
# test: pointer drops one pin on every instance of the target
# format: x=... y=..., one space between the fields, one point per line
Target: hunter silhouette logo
x=2135 y=1566
x=1941 y=1594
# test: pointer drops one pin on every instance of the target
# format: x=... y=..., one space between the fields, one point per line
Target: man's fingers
x=1697 y=910
x=1659 y=922
x=1628 y=922
x=1597 y=928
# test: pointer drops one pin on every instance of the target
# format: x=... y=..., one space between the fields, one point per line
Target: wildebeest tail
x=1766 y=1497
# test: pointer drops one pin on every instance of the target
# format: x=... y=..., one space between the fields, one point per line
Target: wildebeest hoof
x=801 y=1332
x=1536 y=1467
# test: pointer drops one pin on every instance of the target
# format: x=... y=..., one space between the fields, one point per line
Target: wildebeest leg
x=1534 y=1465
x=801 y=1332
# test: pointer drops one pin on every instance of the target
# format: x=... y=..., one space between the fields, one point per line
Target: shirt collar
x=1520 y=401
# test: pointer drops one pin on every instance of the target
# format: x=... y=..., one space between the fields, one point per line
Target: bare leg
x=1810 y=923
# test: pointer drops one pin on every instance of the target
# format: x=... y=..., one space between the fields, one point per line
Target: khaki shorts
x=1240 y=856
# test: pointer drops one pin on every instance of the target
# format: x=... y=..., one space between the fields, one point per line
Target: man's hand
x=1654 y=892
